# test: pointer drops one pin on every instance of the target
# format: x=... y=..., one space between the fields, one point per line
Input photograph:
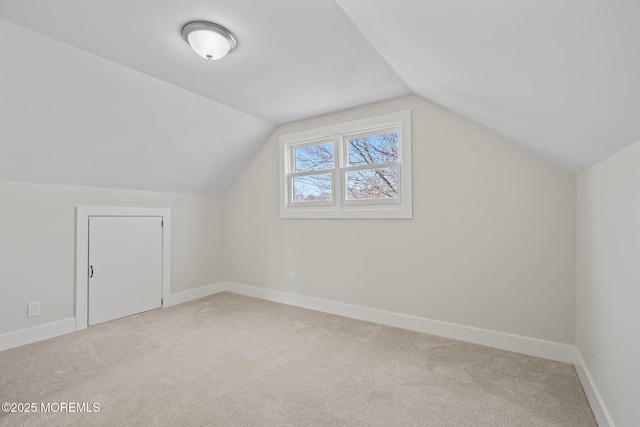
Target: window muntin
x=360 y=169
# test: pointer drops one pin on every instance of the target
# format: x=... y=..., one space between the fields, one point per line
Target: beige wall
x=491 y=243
x=608 y=281
x=37 y=245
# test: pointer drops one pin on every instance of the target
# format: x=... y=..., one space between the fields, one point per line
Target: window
x=360 y=169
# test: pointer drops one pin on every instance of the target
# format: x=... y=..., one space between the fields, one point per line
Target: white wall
x=37 y=245
x=491 y=243
x=608 y=282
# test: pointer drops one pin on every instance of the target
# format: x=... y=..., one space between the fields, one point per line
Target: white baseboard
x=519 y=344
x=593 y=395
x=192 y=294
x=531 y=346
x=37 y=333
x=66 y=326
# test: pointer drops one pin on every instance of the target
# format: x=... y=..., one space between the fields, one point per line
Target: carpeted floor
x=230 y=360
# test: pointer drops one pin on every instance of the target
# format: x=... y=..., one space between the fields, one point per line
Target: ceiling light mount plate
x=210 y=41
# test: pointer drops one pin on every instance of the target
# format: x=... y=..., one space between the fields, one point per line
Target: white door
x=125 y=266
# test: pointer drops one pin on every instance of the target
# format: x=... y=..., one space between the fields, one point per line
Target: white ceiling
x=295 y=59
x=70 y=118
x=559 y=78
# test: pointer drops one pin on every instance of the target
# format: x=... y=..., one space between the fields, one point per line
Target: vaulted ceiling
x=107 y=93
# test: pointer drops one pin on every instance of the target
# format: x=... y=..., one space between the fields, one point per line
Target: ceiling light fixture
x=209 y=40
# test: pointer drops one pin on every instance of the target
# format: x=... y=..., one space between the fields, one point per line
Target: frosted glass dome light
x=210 y=41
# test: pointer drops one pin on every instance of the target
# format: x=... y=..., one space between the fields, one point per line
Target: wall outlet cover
x=33 y=309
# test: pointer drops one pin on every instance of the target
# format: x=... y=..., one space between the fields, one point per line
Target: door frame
x=82 y=252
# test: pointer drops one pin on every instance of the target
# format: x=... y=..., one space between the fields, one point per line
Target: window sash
x=369 y=202
x=310 y=143
x=294 y=175
x=345 y=167
x=320 y=140
x=379 y=130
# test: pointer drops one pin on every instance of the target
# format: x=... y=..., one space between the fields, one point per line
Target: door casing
x=82 y=251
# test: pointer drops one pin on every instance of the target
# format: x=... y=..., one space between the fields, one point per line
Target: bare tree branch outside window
x=378 y=182
x=314 y=157
x=313 y=187
x=374 y=183
x=356 y=169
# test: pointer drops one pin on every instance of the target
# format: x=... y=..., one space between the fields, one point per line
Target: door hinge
x=162 y=223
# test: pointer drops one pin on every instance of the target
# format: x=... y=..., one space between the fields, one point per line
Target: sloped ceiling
x=108 y=93
x=561 y=78
x=70 y=118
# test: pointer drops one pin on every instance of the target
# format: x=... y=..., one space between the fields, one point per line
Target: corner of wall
x=593 y=395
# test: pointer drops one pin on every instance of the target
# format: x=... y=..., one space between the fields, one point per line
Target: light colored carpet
x=230 y=360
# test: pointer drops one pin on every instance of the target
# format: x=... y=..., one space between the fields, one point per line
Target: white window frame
x=339 y=206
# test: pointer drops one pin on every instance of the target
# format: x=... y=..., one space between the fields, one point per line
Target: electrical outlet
x=33 y=309
x=292 y=277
